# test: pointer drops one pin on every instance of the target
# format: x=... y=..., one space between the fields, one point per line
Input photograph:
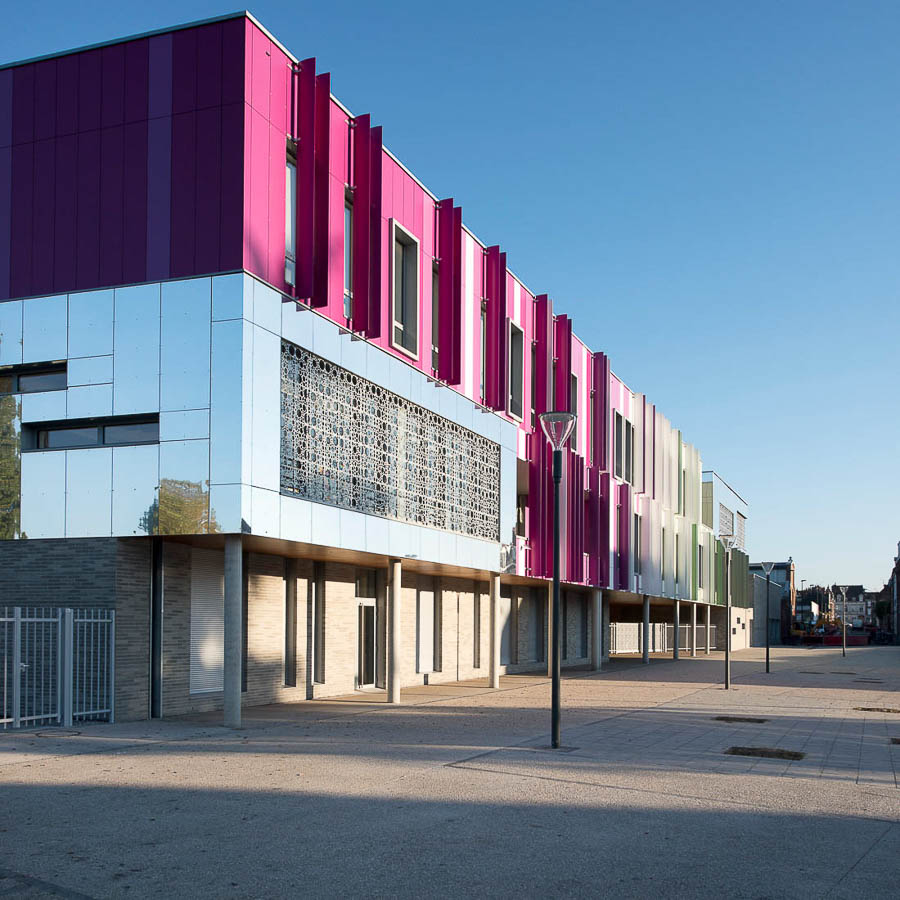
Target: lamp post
x=767 y=568
x=557 y=426
x=844 y=619
x=728 y=541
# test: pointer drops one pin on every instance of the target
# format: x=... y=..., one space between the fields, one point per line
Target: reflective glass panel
x=42 y=381
x=55 y=438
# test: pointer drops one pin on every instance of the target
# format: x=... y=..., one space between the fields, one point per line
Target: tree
x=181 y=507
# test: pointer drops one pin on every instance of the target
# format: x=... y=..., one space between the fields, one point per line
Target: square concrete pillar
x=394 y=636
x=495 y=631
x=646 y=630
x=233 y=615
x=693 y=629
x=596 y=629
x=677 y=612
x=708 y=615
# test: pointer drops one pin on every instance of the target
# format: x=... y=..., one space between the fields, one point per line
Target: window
x=348 y=257
x=619 y=448
x=637 y=544
x=406 y=291
x=290 y=216
x=521 y=504
x=435 y=317
x=28 y=379
x=700 y=566
x=86 y=433
x=516 y=373
x=573 y=407
x=629 y=452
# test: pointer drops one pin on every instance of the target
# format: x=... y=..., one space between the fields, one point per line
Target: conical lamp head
x=557 y=426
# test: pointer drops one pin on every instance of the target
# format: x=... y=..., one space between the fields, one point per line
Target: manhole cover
x=59 y=733
x=739 y=719
x=765 y=752
x=884 y=709
x=867 y=681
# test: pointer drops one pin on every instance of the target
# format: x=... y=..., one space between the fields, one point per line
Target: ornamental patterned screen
x=349 y=442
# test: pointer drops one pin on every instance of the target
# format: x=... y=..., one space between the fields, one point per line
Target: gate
x=58 y=665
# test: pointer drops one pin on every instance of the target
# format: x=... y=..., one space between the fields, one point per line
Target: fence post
x=17 y=666
x=66 y=668
x=112 y=665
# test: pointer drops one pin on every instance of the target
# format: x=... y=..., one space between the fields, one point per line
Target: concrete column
x=234 y=629
x=646 y=641
x=596 y=629
x=708 y=615
x=550 y=629
x=693 y=629
x=495 y=630
x=604 y=627
x=394 y=643
x=677 y=626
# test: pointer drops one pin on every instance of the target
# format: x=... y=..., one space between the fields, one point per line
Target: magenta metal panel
x=42 y=235
x=112 y=97
x=449 y=241
x=376 y=154
x=495 y=349
x=360 y=142
x=623 y=541
x=112 y=202
x=275 y=215
x=304 y=132
x=600 y=384
x=321 y=187
x=562 y=350
x=575 y=510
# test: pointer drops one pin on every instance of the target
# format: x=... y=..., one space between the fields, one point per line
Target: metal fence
x=627 y=637
x=58 y=665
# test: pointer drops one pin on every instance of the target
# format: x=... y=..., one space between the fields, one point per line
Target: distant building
x=783 y=599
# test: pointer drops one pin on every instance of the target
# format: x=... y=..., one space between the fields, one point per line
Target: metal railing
x=58 y=665
x=627 y=637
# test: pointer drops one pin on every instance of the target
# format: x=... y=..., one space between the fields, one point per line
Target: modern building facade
x=266 y=396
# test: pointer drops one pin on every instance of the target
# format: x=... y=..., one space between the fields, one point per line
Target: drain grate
x=884 y=709
x=739 y=719
x=765 y=752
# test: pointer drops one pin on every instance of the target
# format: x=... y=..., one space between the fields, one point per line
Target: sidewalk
x=454 y=792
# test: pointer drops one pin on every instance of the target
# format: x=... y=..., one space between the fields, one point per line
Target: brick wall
x=132 y=588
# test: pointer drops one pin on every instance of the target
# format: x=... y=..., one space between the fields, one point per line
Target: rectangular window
x=516 y=373
x=30 y=378
x=406 y=291
x=290 y=216
x=86 y=433
x=619 y=448
x=573 y=408
x=435 y=317
x=348 y=257
x=629 y=452
x=521 y=504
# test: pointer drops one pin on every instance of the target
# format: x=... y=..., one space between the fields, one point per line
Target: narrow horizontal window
x=116 y=432
x=31 y=378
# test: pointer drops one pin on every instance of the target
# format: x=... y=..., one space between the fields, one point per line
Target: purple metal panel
x=322 y=142
x=209 y=180
x=64 y=216
x=159 y=196
x=112 y=183
x=540 y=503
x=362 y=233
x=563 y=354
x=5 y=219
x=376 y=155
x=160 y=85
x=600 y=384
x=495 y=350
x=231 y=223
x=543 y=357
x=89 y=90
x=6 y=107
x=623 y=542
x=42 y=233
x=233 y=55
x=304 y=131
x=45 y=99
x=184 y=71
x=137 y=80
x=23 y=105
x=575 y=513
x=67 y=94
x=449 y=292
x=134 y=232
x=184 y=196
x=87 y=207
x=112 y=68
x=209 y=66
x=21 y=214
x=603 y=501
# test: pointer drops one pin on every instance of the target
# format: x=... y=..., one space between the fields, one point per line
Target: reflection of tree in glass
x=181 y=508
x=10 y=468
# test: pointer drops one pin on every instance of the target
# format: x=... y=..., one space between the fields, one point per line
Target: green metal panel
x=694 y=569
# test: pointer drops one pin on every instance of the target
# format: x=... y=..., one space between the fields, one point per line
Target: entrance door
x=366 y=669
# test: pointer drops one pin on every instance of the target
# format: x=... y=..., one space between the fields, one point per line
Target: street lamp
x=767 y=568
x=843 y=588
x=728 y=540
x=557 y=426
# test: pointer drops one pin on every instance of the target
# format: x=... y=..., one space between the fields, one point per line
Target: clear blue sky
x=711 y=190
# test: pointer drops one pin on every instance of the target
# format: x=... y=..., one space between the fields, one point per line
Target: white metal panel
x=207 y=620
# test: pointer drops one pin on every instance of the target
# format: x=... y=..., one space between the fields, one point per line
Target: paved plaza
x=454 y=792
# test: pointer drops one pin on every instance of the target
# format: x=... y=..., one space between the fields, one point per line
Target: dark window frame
x=30 y=370
x=36 y=435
